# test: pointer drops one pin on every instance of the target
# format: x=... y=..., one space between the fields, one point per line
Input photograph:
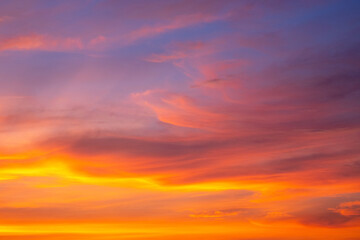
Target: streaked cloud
x=179 y=120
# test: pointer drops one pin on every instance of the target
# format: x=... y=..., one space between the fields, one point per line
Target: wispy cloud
x=230 y=119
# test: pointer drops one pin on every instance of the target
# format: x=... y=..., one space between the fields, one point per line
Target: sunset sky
x=179 y=120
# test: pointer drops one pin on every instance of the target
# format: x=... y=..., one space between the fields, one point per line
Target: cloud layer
x=179 y=120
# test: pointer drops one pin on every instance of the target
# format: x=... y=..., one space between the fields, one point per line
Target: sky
x=179 y=119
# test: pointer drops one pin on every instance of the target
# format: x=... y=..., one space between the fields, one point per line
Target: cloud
x=217 y=213
x=228 y=118
x=139 y=147
x=40 y=42
x=179 y=22
x=180 y=50
x=348 y=209
x=177 y=109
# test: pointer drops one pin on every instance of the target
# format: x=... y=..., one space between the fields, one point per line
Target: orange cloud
x=179 y=110
x=216 y=214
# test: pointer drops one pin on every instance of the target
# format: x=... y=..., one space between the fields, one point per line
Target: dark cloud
x=327 y=219
x=139 y=147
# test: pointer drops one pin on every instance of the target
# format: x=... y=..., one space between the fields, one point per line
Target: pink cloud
x=40 y=42
x=179 y=22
